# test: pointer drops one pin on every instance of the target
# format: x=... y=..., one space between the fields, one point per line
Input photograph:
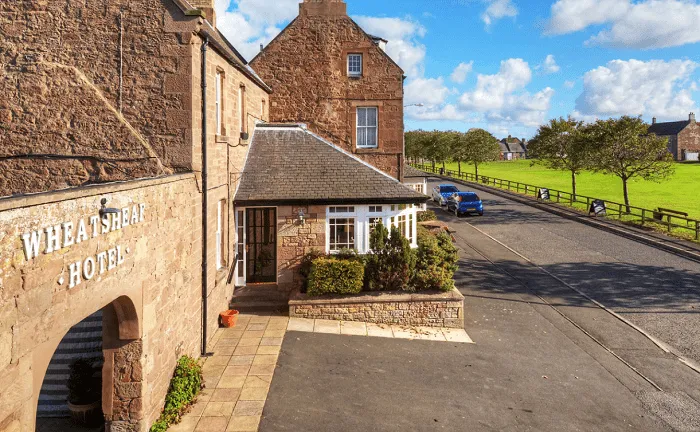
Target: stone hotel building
x=150 y=176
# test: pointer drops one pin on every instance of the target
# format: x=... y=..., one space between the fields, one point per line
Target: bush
x=184 y=388
x=307 y=262
x=427 y=216
x=436 y=262
x=333 y=276
x=391 y=262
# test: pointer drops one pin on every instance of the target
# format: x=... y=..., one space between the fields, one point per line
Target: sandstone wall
x=295 y=240
x=306 y=68
x=689 y=140
x=157 y=267
x=428 y=310
x=64 y=119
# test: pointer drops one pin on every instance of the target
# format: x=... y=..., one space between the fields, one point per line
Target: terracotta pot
x=86 y=415
x=229 y=318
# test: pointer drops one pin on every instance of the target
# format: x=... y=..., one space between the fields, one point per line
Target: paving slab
x=353 y=328
x=326 y=326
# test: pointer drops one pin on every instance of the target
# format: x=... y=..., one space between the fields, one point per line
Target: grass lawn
x=682 y=192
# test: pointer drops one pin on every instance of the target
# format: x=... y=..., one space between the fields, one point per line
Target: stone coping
x=49 y=197
x=378 y=297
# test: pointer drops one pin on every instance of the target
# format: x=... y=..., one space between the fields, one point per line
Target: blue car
x=465 y=203
x=443 y=192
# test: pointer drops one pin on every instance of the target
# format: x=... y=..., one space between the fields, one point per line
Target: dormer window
x=355 y=65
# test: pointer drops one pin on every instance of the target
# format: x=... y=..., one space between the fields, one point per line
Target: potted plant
x=85 y=394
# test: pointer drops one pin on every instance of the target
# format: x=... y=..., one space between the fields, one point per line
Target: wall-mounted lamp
x=104 y=211
x=302 y=217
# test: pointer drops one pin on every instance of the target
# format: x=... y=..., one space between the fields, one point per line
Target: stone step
x=279 y=307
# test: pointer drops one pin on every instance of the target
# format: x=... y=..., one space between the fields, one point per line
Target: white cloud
x=426 y=91
x=403 y=45
x=654 y=24
x=491 y=90
x=569 y=16
x=549 y=66
x=447 y=112
x=569 y=84
x=642 y=25
x=249 y=23
x=502 y=97
x=653 y=88
x=498 y=9
x=459 y=75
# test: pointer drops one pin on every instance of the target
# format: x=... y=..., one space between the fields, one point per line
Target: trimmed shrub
x=391 y=262
x=427 y=216
x=184 y=388
x=333 y=276
x=305 y=266
x=436 y=262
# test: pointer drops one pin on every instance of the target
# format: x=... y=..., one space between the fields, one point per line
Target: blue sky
x=523 y=61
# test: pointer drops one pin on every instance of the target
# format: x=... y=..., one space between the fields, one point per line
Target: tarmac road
x=656 y=290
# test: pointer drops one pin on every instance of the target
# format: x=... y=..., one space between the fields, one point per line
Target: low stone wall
x=430 y=309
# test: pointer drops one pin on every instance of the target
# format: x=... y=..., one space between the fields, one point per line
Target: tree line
x=621 y=147
x=475 y=147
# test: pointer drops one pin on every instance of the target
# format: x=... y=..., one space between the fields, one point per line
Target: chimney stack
x=206 y=6
x=653 y=121
x=692 y=118
x=327 y=8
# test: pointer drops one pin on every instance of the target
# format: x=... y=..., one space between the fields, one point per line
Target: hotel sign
x=57 y=237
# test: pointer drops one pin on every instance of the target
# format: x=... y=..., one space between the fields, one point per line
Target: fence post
x=669 y=223
x=697 y=230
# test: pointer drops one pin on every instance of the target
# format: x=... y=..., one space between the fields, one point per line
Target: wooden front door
x=261 y=245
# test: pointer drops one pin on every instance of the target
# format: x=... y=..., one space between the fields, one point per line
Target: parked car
x=442 y=192
x=464 y=203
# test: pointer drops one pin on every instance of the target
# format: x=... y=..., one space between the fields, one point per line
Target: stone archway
x=122 y=373
x=122 y=376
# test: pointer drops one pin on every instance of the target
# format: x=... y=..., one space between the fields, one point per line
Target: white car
x=443 y=192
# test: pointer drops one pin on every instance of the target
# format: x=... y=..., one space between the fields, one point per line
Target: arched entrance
x=120 y=361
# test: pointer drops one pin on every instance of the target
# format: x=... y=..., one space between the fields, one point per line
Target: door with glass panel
x=261 y=245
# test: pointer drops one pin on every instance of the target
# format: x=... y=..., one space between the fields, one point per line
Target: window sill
x=355 y=77
x=221 y=139
x=367 y=150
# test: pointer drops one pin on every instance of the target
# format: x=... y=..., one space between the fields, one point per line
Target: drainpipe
x=205 y=200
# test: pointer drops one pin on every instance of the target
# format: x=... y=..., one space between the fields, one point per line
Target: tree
x=392 y=262
x=415 y=148
x=448 y=142
x=627 y=150
x=563 y=145
x=436 y=149
x=479 y=147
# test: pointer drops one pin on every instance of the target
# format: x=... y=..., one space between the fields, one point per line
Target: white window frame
x=219 y=235
x=362 y=217
x=240 y=247
x=355 y=73
x=354 y=224
x=219 y=107
x=240 y=107
x=365 y=130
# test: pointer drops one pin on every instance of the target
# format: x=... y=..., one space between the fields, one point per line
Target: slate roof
x=410 y=172
x=668 y=128
x=288 y=165
x=512 y=145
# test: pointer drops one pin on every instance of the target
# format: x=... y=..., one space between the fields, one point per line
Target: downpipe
x=205 y=200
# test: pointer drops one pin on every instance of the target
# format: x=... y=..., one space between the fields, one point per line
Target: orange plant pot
x=229 y=318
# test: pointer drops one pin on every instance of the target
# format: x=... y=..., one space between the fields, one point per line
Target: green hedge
x=333 y=276
x=184 y=388
x=437 y=262
x=427 y=216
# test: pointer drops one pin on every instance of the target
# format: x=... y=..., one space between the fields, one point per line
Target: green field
x=682 y=192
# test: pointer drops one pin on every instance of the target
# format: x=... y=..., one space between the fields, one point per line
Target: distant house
x=683 y=137
x=513 y=148
x=417 y=180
